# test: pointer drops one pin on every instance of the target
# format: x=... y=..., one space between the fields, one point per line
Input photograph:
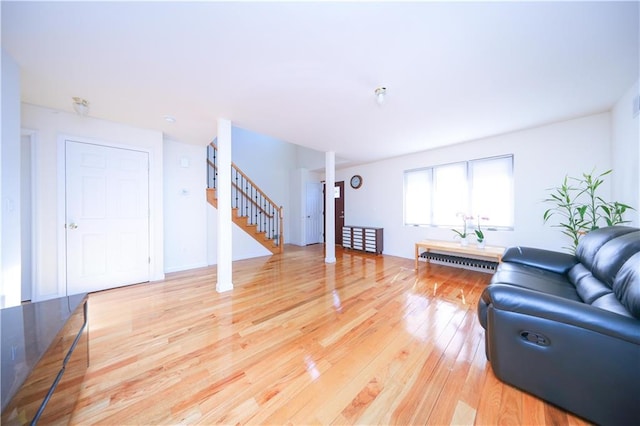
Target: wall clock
x=356 y=181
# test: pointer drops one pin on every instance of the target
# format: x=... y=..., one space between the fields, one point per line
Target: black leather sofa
x=567 y=328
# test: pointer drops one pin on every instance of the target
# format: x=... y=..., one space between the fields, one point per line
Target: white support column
x=330 y=209
x=223 y=192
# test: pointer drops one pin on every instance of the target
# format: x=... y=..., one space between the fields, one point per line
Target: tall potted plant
x=580 y=209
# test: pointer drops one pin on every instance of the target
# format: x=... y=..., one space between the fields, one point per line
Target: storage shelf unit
x=362 y=238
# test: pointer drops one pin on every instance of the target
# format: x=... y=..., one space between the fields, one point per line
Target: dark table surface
x=27 y=332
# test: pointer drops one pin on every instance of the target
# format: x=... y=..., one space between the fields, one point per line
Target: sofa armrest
x=533 y=303
x=548 y=260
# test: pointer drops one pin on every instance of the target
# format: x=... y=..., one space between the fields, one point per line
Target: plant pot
x=464 y=242
x=480 y=244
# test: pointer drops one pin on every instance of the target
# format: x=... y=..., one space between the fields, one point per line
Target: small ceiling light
x=169 y=119
x=80 y=106
x=380 y=94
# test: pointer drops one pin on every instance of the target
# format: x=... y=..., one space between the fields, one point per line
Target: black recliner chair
x=567 y=328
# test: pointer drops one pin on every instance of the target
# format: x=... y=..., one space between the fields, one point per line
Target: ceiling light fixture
x=80 y=106
x=169 y=119
x=380 y=92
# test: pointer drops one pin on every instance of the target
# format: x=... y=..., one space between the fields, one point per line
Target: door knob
x=73 y=226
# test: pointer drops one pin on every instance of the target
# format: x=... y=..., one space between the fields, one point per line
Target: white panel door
x=314 y=215
x=107 y=217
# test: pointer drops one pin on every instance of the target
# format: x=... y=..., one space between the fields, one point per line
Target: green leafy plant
x=580 y=208
x=565 y=206
x=613 y=212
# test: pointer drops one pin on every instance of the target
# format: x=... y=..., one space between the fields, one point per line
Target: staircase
x=252 y=210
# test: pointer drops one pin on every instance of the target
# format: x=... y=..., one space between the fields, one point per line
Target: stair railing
x=249 y=200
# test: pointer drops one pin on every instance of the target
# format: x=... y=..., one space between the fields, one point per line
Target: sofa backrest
x=608 y=275
x=627 y=285
x=591 y=243
x=613 y=254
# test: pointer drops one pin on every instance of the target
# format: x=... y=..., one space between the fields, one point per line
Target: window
x=439 y=195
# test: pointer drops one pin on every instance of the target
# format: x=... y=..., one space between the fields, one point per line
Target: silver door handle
x=73 y=226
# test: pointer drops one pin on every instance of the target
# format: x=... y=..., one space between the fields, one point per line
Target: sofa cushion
x=609 y=302
x=536 y=279
x=594 y=240
x=626 y=286
x=590 y=288
x=576 y=273
x=613 y=254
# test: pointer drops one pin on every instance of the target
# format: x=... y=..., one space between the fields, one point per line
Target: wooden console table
x=488 y=252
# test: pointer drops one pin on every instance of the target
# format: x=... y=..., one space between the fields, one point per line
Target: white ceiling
x=306 y=72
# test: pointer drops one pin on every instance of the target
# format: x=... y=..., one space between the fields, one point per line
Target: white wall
x=310 y=159
x=51 y=128
x=10 y=236
x=542 y=157
x=185 y=215
x=270 y=162
x=267 y=162
x=625 y=131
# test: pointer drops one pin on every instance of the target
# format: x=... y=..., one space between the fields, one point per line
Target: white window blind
x=439 y=195
x=492 y=191
x=450 y=193
x=417 y=196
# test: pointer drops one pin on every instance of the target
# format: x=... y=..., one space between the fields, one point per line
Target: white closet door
x=107 y=217
x=314 y=220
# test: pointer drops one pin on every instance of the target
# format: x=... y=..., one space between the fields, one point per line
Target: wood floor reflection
x=363 y=341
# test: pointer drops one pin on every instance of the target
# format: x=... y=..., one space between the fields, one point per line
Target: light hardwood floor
x=362 y=341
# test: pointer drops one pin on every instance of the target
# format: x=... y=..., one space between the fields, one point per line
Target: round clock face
x=356 y=181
